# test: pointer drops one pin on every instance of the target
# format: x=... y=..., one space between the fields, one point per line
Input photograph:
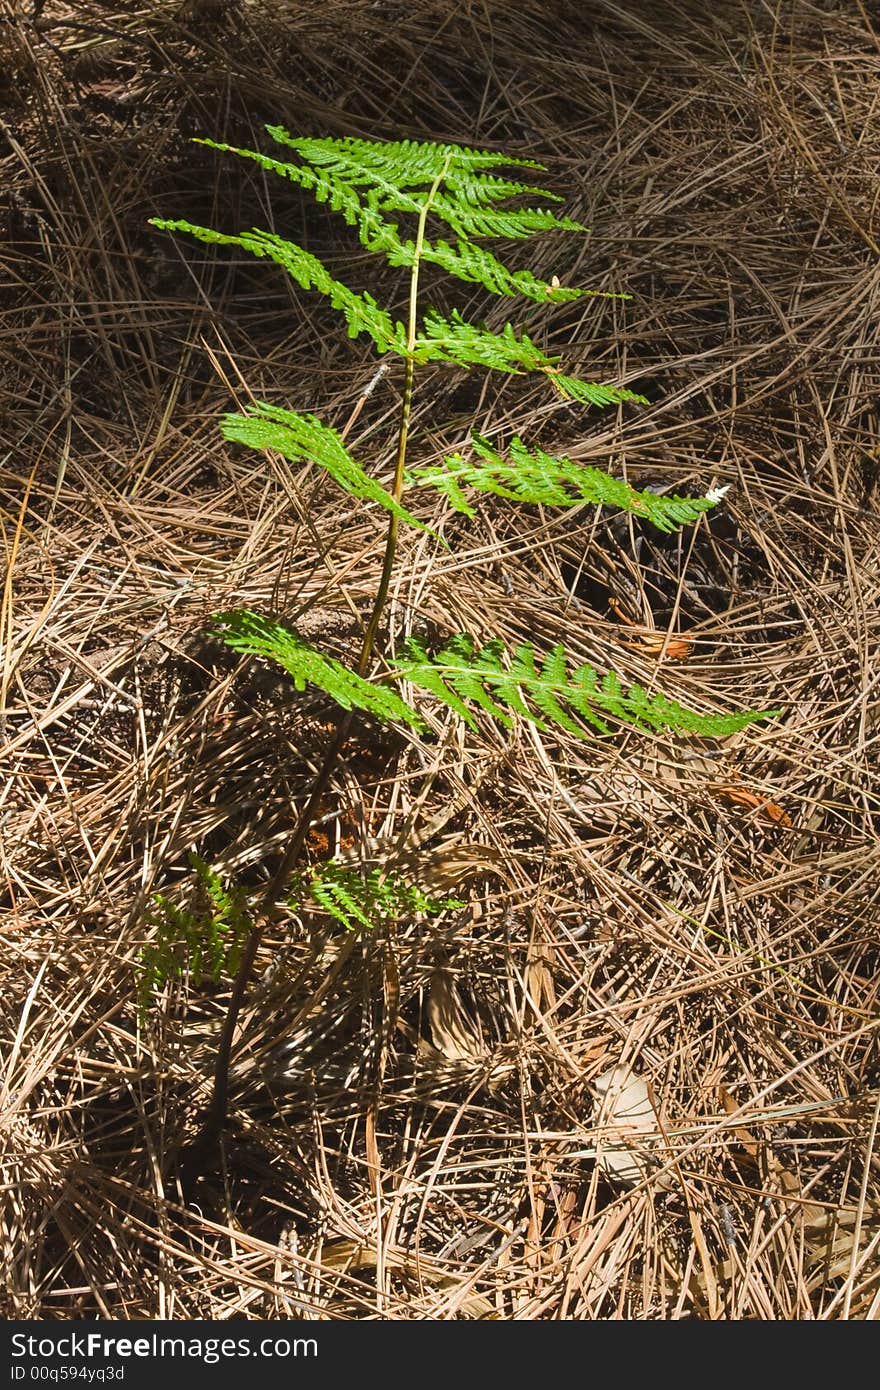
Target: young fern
x=206 y=941
x=456 y=199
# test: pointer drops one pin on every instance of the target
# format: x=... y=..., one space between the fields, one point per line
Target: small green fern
x=453 y=199
x=205 y=941
x=536 y=477
x=359 y=899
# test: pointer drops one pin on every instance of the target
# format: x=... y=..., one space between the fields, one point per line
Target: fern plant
x=417 y=203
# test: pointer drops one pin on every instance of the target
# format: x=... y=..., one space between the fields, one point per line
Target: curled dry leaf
x=626 y=1124
x=651 y=643
x=656 y=644
x=741 y=796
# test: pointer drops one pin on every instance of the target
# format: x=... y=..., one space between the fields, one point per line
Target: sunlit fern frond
x=399 y=176
x=363 y=188
x=299 y=437
x=462 y=674
x=592 y=392
x=538 y=478
x=253 y=635
x=477 y=266
x=372 y=185
x=400 y=163
x=467 y=345
x=361 y=312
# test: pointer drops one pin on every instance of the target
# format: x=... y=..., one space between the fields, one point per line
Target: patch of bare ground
x=417 y=1129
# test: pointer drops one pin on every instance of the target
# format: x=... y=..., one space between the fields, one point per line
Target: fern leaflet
x=203 y=942
x=456 y=340
x=539 y=478
x=592 y=392
x=361 y=312
x=305 y=437
x=254 y=635
x=461 y=672
x=356 y=899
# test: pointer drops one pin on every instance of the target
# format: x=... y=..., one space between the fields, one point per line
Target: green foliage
x=365 y=181
x=254 y=635
x=374 y=186
x=359 y=898
x=304 y=437
x=361 y=312
x=456 y=340
x=536 y=477
x=461 y=672
x=205 y=941
x=371 y=185
x=593 y=392
x=455 y=191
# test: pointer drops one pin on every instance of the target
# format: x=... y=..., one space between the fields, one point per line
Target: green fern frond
x=339 y=185
x=361 y=312
x=539 y=478
x=298 y=437
x=479 y=189
x=358 y=899
x=511 y=223
x=477 y=266
x=462 y=673
x=253 y=635
x=200 y=942
x=593 y=392
x=397 y=163
x=455 y=340
x=393 y=174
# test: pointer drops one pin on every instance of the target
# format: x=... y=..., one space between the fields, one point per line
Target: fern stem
x=403 y=431
x=218 y=1108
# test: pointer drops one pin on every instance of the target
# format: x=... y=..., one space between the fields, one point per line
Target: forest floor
x=417 y=1118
